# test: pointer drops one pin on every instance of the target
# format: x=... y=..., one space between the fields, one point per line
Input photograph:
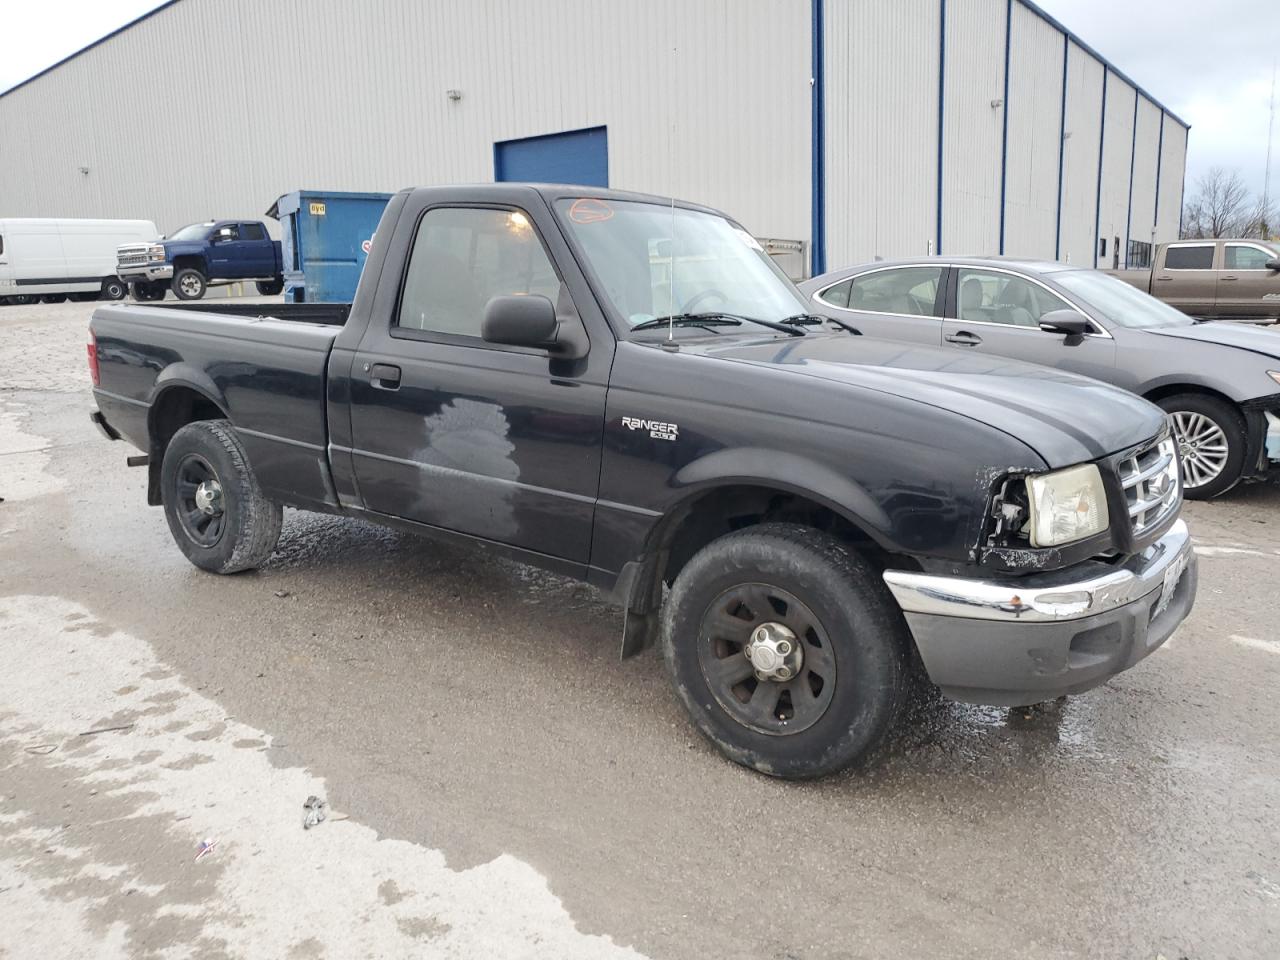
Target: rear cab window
x=252 y=231
x=1197 y=256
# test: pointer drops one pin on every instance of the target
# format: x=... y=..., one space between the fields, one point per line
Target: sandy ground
x=499 y=785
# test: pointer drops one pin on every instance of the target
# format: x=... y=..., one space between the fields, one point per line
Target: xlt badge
x=657 y=429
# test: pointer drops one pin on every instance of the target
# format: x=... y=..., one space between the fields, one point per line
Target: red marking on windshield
x=589 y=210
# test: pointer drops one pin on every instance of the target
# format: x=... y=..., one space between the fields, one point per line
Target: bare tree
x=1223 y=207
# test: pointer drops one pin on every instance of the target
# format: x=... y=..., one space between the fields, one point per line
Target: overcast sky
x=1209 y=62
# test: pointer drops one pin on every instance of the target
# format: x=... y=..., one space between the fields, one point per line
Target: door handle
x=385 y=376
x=1164 y=278
x=964 y=338
x=1230 y=278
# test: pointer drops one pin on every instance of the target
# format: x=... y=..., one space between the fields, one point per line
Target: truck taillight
x=92 y=348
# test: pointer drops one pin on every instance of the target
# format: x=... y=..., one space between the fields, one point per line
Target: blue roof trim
x=1004 y=130
x=1062 y=147
x=1102 y=142
x=1159 y=160
x=1049 y=18
x=1133 y=156
x=942 y=114
x=818 y=171
x=132 y=23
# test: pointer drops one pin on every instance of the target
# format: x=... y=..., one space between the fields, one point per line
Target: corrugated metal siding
x=1035 y=106
x=1142 y=209
x=972 y=128
x=1117 y=150
x=1080 y=156
x=881 y=129
x=1172 y=171
x=708 y=99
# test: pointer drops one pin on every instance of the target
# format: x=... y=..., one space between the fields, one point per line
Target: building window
x=1139 y=255
x=1102 y=252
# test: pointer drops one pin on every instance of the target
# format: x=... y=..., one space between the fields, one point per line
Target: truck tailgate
x=266 y=375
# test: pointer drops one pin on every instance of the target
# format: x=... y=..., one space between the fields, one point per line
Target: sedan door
x=1247 y=287
x=996 y=311
x=902 y=302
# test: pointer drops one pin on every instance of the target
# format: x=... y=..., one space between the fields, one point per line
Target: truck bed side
x=265 y=375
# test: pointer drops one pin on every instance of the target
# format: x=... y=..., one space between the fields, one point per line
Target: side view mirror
x=1066 y=321
x=1273 y=263
x=222 y=236
x=528 y=321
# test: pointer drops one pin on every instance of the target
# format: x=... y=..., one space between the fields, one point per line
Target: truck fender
x=176 y=376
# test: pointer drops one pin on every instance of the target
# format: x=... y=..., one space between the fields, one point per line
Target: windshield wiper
x=717 y=317
x=814 y=319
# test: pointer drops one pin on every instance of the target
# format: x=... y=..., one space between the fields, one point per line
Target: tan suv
x=1216 y=279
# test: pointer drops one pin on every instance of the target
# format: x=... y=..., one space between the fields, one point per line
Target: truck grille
x=131 y=255
x=1151 y=484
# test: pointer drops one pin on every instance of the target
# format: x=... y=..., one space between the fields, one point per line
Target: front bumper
x=145 y=272
x=1046 y=635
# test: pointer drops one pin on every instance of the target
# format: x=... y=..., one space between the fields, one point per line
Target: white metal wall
x=1035 y=113
x=1173 y=158
x=1142 y=205
x=1117 y=151
x=972 y=127
x=881 y=129
x=1080 y=156
x=239 y=101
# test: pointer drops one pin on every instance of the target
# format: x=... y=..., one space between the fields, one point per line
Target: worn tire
x=269 y=288
x=251 y=521
x=189 y=284
x=54 y=298
x=147 y=292
x=866 y=631
x=113 y=288
x=1231 y=422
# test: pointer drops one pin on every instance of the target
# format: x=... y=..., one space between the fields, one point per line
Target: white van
x=49 y=259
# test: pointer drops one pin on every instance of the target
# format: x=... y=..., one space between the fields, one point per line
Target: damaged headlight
x=156 y=252
x=1066 y=506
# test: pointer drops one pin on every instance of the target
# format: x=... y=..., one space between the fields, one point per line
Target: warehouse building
x=842 y=129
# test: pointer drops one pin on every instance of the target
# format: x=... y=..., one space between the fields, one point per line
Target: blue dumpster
x=324 y=241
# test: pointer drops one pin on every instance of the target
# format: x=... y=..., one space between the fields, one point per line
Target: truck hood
x=1066 y=419
x=1245 y=336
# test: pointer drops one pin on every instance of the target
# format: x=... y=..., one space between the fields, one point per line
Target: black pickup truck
x=625 y=389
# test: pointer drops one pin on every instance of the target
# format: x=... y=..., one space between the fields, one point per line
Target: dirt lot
x=500 y=786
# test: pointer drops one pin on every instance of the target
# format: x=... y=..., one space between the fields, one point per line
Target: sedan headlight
x=156 y=251
x=1066 y=506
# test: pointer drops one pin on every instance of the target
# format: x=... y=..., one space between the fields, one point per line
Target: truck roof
x=510 y=191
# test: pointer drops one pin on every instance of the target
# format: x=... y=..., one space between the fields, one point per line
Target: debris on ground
x=43 y=750
x=282 y=594
x=313 y=812
x=91 y=733
x=205 y=848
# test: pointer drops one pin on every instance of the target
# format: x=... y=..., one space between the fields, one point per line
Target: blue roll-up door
x=575 y=156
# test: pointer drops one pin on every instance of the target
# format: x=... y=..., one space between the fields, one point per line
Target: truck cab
x=1215 y=278
x=201 y=255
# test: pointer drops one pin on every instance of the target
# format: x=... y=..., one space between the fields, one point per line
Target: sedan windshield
x=652 y=262
x=1117 y=301
x=193 y=231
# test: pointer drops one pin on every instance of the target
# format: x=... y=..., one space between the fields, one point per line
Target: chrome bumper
x=1048 y=597
x=147 y=271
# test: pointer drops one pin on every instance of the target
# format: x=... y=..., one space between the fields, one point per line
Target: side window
x=229 y=230
x=1242 y=257
x=464 y=256
x=1004 y=298
x=906 y=290
x=838 y=295
x=252 y=231
x=1197 y=257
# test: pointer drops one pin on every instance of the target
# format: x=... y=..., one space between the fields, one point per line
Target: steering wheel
x=697 y=298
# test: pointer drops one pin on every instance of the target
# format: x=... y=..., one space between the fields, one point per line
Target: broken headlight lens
x=1066 y=506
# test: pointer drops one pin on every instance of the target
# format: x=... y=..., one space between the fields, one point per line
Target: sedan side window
x=910 y=291
x=837 y=296
x=462 y=257
x=1243 y=257
x=1004 y=298
x=1196 y=257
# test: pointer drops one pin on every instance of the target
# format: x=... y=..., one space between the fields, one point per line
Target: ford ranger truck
x=1214 y=279
x=201 y=255
x=626 y=390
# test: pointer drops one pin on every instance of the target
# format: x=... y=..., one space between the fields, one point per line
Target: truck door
x=496 y=442
x=224 y=251
x=1247 y=287
x=997 y=312
x=1187 y=278
x=256 y=253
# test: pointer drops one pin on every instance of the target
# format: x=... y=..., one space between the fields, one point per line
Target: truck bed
x=263 y=365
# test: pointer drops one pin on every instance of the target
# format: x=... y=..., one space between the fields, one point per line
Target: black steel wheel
x=766 y=658
x=113 y=288
x=787 y=650
x=216 y=511
x=270 y=288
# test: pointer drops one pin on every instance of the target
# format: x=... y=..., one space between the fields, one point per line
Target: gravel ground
x=499 y=785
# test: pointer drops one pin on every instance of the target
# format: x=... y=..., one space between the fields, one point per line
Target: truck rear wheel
x=786 y=649
x=1211 y=438
x=189 y=284
x=215 y=508
x=269 y=288
x=145 y=292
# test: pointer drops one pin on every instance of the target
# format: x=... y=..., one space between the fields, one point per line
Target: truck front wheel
x=786 y=649
x=215 y=508
x=189 y=284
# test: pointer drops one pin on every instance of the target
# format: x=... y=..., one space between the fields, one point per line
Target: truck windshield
x=192 y=231
x=711 y=265
x=1117 y=301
